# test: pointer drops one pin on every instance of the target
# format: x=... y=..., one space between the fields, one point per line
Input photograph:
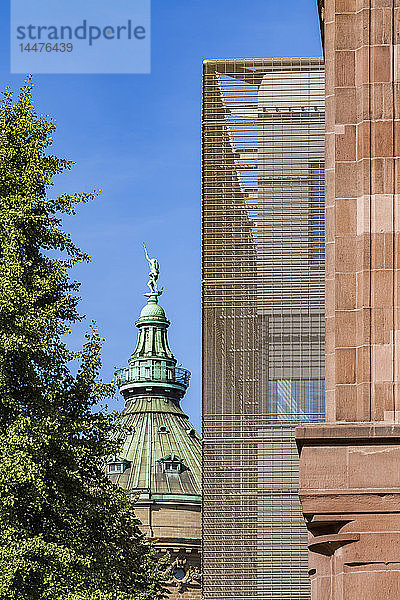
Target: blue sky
x=137 y=138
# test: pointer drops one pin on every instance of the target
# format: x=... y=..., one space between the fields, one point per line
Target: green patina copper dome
x=160 y=451
x=152 y=310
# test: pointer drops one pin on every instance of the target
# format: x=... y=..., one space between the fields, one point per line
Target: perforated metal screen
x=263 y=338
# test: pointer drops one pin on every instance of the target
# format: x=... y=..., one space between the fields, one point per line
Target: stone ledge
x=349 y=503
x=343 y=433
x=328 y=544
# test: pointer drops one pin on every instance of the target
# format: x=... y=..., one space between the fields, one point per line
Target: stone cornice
x=348 y=432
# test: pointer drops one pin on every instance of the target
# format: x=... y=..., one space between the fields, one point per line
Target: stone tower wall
x=176 y=527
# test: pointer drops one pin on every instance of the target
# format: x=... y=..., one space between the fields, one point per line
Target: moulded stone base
x=350 y=495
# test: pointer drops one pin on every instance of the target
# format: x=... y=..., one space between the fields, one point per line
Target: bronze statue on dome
x=153 y=274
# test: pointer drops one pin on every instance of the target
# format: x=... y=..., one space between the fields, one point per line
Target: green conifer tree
x=66 y=532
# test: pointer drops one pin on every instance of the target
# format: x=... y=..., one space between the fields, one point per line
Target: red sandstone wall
x=349 y=473
x=362 y=52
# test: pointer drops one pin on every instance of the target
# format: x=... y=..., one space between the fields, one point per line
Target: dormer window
x=163 y=429
x=116 y=465
x=115 y=468
x=172 y=464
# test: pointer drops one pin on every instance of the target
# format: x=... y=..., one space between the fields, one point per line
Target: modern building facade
x=349 y=466
x=263 y=318
x=160 y=457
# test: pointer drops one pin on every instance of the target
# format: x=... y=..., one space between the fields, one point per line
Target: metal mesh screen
x=263 y=316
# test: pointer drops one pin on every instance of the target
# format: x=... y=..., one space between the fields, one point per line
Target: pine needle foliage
x=66 y=532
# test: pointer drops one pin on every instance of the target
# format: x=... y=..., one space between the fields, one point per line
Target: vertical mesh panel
x=263 y=295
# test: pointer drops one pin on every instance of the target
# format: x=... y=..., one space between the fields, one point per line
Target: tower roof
x=154 y=431
x=160 y=451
